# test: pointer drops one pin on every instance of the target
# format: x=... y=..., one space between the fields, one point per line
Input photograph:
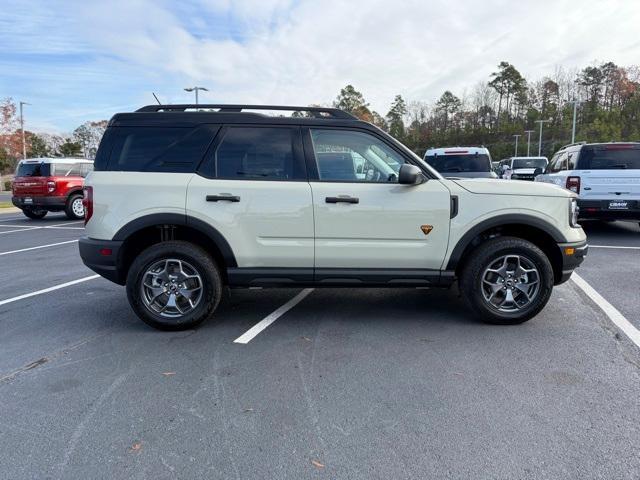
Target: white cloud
x=304 y=51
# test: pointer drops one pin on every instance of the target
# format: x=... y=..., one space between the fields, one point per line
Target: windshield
x=33 y=170
x=529 y=163
x=610 y=158
x=460 y=163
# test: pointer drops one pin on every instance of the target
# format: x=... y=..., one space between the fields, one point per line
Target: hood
x=454 y=175
x=512 y=187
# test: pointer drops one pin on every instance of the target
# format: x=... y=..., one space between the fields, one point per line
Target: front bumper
x=103 y=257
x=45 y=203
x=599 y=210
x=572 y=256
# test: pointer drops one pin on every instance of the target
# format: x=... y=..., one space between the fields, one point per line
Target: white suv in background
x=186 y=200
x=606 y=177
x=461 y=162
x=522 y=168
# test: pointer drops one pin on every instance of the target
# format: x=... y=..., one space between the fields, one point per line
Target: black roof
x=191 y=114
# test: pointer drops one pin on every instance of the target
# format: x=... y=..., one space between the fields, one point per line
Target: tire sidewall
x=208 y=271
x=69 y=207
x=473 y=286
x=34 y=214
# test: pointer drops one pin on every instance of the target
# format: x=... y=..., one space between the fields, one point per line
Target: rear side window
x=256 y=153
x=33 y=170
x=612 y=157
x=460 y=163
x=159 y=149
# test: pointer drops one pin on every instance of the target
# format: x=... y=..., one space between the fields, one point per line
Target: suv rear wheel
x=74 y=208
x=507 y=280
x=174 y=285
x=34 y=213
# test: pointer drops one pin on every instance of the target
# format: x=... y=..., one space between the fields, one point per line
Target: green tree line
x=508 y=104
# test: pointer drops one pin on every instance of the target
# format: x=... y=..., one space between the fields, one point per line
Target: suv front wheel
x=507 y=280
x=174 y=285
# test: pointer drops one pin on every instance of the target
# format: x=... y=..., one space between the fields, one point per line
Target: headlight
x=573 y=212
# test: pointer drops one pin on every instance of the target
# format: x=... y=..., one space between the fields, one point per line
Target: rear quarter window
x=156 y=149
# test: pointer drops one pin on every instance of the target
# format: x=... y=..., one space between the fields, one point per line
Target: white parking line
x=614 y=246
x=47 y=290
x=272 y=317
x=55 y=226
x=37 y=248
x=612 y=312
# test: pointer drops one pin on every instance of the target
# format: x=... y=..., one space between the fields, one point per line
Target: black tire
x=471 y=279
x=34 y=214
x=194 y=256
x=69 y=208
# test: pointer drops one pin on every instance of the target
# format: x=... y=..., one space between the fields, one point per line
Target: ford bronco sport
x=186 y=200
x=44 y=185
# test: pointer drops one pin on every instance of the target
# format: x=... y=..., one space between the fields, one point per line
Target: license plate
x=27 y=200
x=618 y=205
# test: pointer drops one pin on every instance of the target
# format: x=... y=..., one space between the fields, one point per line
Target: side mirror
x=410 y=175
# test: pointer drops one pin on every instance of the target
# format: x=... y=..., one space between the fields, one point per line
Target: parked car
x=44 y=185
x=606 y=177
x=461 y=162
x=186 y=200
x=522 y=168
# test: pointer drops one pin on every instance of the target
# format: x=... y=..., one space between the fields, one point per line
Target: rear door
x=610 y=172
x=253 y=189
x=372 y=223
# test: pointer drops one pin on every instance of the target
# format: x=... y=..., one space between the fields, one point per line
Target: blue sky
x=85 y=60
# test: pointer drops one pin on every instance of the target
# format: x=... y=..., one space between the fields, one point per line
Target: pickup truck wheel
x=507 y=280
x=174 y=285
x=74 y=208
x=34 y=213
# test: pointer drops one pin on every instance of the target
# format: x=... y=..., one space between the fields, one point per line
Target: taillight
x=573 y=184
x=51 y=186
x=87 y=203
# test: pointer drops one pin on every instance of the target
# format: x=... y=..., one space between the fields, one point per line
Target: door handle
x=223 y=198
x=345 y=199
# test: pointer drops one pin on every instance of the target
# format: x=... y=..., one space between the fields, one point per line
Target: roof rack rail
x=583 y=142
x=319 y=112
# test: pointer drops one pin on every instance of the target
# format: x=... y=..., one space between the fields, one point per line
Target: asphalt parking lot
x=356 y=384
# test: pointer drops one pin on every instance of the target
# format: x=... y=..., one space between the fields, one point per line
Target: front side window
x=558 y=162
x=256 y=153
x=349 y=156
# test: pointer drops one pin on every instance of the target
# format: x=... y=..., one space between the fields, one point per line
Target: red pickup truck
x=46 y=185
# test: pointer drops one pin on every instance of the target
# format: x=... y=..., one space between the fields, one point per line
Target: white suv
x=186 y=200
x=606 y=177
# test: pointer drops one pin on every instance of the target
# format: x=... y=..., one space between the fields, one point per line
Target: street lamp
x=517 y=136
x=196 y=89
x=24 y=144
x=573 y=127
x=528 y=132
x=540 y=138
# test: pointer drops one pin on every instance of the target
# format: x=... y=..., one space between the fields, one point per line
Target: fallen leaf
x=460 y=374
x=306 y=339
x=168 y=374
x=247 y=410
x=317 y=464
x=136 y=447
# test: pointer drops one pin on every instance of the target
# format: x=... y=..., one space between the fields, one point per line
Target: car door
x=253 y=189
x=371 y=223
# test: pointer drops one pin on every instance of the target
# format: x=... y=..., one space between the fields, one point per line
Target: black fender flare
x=182 y=220
x=507 y=219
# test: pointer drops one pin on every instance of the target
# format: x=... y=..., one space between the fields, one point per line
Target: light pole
x=573 y=126
x=196 y=89
x=517 y=136
x=24 y=144
x=540 y=138
x=528 y=132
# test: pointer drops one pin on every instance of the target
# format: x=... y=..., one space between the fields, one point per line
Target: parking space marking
x=612 y=312
x=47 y=290
x=56 y=226
x=614 y=246
x=272 y=317
x=38 y=247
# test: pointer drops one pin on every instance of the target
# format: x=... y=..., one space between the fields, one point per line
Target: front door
x=365 y=219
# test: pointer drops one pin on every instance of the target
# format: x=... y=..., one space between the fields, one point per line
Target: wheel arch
x=151 y=229
x=542 y=234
